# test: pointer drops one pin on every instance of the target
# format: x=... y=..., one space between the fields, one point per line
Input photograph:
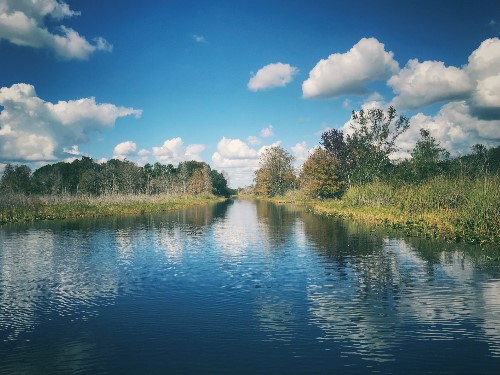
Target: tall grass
x=18 y=207
x=460 y=208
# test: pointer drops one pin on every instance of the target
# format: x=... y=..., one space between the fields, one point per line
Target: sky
x=221 y=81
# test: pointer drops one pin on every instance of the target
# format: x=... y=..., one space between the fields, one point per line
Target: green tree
x=427 y=157
x=200 y=182
x=219 y=184
x=334 y=143
x=16 y=179
x=47 y=179
x=319 y=176
x=372 y=141
x=275 y=175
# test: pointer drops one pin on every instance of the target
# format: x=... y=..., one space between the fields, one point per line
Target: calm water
x=242 y=287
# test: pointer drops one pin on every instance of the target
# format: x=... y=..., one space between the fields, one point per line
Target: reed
x=460 y=209
x=18 y=208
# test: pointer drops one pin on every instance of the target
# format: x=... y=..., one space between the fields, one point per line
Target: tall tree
x=334 y=143
x=16 y=179
x=319 y=177
x=276 y=174
x=427 y=156
x=372 y=141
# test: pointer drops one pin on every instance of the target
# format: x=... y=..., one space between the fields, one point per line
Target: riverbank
x=21 y=208
x=454 y=210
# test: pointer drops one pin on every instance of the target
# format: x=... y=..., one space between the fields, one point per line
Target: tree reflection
x=277 y=222
x=371 y=286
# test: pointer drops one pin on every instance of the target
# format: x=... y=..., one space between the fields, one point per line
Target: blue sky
x=220 y=81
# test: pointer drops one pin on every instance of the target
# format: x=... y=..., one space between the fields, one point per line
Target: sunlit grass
x=18 y=208
x=454 y=209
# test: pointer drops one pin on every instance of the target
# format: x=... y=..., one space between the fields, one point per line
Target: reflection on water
x=241 y=287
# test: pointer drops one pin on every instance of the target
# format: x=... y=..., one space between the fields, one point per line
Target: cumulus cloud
x=173 y=151
x=22 y=22
x=73 y=150
x=428 y=82
x=128 y=150
x=349 y=73
x=32 y=129
x=272 y=75
x=238 y=159
x=267 y=132
x=124 y=149
x=253 y=140
x=454 y=127
x=424 y=83
x=301 y=152
x=235 y=149
x=484 y=67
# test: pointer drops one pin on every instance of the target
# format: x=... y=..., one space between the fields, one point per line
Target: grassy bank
x=19 y=208
x=452 y=209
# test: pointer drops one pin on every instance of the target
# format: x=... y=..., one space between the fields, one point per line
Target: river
x=242 y=287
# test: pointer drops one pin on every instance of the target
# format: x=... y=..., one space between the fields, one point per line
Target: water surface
x=242 y=287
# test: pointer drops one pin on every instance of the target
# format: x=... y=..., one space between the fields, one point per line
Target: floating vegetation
x=20 y=208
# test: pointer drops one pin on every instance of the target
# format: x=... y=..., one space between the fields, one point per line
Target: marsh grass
x=455 y=209
x=18 y=208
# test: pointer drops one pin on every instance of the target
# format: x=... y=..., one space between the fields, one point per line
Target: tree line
x=363 y=156
x=86 y=176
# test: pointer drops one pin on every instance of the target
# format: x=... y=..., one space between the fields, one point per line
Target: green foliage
x=363 y=155
x=219 y=184
x=427 y=157
x=276 y=174
x=86 y=177
x=319 y=176
x=15 y=179
x=372 y=141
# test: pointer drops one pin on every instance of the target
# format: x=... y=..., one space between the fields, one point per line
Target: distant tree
x=200 y=182
x=334 y=143
x=219 y=184
x=276 y=174
x=47 y=180
x=372 y=141
x=15 y=179
x=480 y=159
x=427 y=157
x=319 y=177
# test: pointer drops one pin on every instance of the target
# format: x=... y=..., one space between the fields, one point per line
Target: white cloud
x=235 y=149
x=428 y=82
x=301 y=152
x=73 y=150
x=454 y=127
x=199 y=38
x=483 y=62
x=173 y=151
x=267 y=132
x=272 y=75
x=32 y=129
x=253 y=140
x=238 y=159
x=22 y=22
x=348 y=73
x=124 y=149
x=484 y=67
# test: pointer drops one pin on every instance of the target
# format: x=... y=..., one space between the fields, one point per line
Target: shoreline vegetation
x=88 y=188
x=363 y=175
x=355 y=176
x=463 y=210
x=21 y=208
